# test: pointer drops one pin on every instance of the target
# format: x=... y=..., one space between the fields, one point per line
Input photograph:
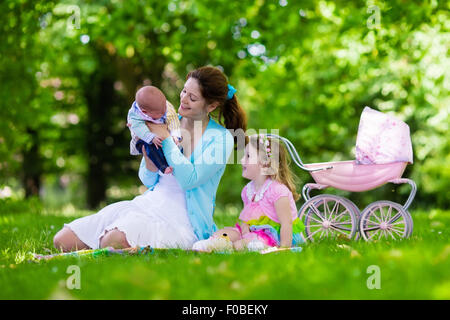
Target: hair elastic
x=231 y=92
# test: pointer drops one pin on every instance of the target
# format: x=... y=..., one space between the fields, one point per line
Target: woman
x=177 y=210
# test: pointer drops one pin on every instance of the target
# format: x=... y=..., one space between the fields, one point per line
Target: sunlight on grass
x=415 y=268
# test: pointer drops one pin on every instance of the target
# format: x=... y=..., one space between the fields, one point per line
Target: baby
x=151 y=105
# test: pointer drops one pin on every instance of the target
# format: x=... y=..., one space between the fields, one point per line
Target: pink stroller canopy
x=382 y=139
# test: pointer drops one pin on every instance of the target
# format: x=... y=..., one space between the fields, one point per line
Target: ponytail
x=285 y=174
x=214 y=87
x=233 y=114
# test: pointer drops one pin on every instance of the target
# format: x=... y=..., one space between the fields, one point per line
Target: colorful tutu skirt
x=268 y=231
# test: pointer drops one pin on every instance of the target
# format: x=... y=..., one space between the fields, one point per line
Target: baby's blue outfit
x=138 y=128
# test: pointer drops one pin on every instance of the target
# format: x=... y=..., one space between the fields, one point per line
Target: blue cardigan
x=199 y=175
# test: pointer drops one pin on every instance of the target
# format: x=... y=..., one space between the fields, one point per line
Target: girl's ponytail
x=285 y=174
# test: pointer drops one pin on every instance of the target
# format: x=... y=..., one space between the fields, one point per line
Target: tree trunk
x=32 y=166
x=99 y=93
x=101 y=97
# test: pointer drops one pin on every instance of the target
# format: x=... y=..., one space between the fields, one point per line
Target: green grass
x=415 y=268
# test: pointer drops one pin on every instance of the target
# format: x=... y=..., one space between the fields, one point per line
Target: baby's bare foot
x=168 y=170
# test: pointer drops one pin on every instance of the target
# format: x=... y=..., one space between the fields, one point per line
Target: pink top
x=262 y=203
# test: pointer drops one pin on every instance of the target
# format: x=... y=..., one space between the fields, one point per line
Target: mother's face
x=192 y=104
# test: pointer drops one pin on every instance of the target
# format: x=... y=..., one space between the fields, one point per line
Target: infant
x=151 y=105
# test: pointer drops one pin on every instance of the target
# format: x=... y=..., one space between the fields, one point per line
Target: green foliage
x=305 y=68
x=24 y=107
x=13 y=206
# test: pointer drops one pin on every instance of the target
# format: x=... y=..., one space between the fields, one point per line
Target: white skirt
x=156 y=218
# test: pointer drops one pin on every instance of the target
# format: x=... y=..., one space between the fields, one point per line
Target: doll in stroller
x=383 y=150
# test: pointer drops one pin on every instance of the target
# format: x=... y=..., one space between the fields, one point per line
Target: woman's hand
x=148 y=162
x=158 y=129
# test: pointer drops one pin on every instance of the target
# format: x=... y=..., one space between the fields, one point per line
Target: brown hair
x=275 y=162
x=214 y=87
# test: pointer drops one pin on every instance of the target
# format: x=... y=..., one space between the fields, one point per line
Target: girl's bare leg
x=66 y=240
x=241 y=244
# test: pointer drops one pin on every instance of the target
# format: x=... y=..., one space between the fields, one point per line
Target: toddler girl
x=269 y=217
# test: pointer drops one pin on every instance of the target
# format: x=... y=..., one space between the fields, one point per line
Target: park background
x=69 y=71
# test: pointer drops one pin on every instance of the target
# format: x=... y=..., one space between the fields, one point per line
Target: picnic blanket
x=131 y=251
x=93 y=253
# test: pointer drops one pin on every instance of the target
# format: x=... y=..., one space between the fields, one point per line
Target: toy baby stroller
x=383 y=150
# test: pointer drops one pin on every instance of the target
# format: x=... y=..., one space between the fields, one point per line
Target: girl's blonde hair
x=272 y=156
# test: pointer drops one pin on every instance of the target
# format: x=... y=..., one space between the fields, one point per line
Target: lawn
x=415 y=268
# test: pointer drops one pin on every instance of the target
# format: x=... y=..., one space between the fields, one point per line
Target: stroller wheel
x=357 y=213
x=385 y=219
x=329 y=216
x=411 y=224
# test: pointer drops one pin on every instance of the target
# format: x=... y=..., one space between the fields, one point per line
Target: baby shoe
x=213 y=244
x=256 y=245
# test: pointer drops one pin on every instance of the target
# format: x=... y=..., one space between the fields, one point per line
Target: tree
x=306 y=68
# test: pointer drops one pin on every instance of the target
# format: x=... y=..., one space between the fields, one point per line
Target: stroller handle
x=294 y=154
